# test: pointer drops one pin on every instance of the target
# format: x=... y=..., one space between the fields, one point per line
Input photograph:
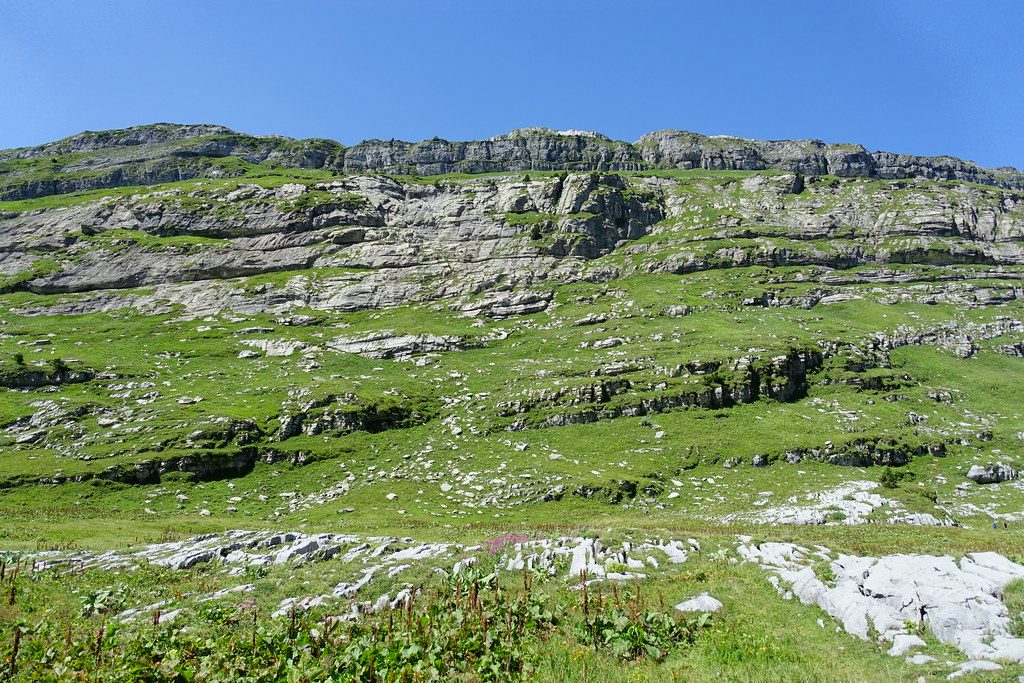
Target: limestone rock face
x=522 y=150
x=685 y=150
x=492 y=243
x=89 y=141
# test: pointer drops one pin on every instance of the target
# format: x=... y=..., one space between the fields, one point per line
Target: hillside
x=589 y=354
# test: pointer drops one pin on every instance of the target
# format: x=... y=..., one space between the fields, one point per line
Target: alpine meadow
x=691 y=408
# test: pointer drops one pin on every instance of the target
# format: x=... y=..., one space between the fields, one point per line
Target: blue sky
x=925 y=77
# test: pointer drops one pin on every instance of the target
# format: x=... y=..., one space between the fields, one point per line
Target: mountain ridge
x=165 y=152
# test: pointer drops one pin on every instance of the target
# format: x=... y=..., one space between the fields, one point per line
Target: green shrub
x=891 y=477
x=58 y=366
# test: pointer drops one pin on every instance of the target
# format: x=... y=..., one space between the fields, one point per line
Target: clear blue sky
x=921 y=76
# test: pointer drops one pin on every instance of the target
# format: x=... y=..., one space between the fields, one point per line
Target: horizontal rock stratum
x=165 y=152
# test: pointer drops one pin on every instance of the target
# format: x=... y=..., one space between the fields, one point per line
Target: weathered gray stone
x=958 y=601
x=991 y=474
x=700 y=603
x=385 y=345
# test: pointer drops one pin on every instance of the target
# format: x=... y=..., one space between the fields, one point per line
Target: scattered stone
x=848 y=504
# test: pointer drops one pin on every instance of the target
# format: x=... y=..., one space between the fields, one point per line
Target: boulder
x=276 y=347
x=676 y=311
x=700 y=603
x=991 y=474
x=958 y=601
x=902 y=643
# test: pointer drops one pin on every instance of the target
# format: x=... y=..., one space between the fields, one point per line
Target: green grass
x=182 y=361
x=529 y=218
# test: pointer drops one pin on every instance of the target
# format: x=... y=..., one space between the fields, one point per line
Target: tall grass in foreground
x=468 y=626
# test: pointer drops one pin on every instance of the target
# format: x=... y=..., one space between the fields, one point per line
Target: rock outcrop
x=958 y=601
x=385 y=345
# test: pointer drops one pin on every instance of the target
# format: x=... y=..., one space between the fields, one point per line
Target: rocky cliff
x=373 y=241
x=167 y=152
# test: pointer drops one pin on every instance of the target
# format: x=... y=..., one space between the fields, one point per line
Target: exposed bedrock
x=374 y=241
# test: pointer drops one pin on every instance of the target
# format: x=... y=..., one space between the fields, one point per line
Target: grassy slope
x=182 y=358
